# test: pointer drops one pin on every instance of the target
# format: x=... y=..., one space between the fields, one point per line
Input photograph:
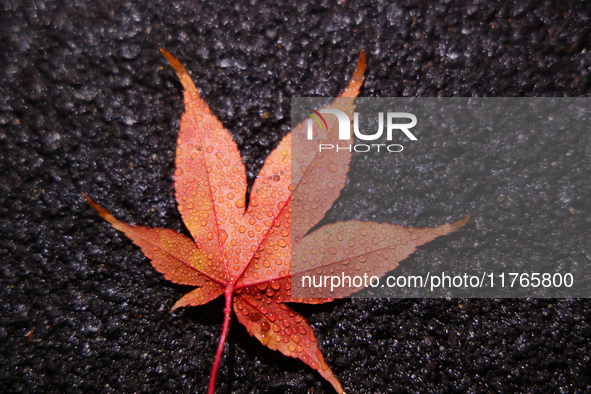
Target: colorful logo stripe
x=316 y=118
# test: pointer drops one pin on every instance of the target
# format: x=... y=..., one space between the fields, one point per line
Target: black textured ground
x=87 y=103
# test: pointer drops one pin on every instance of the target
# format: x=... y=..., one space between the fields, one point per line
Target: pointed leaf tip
x=106 y=215
x=461 y=223
x=360 y=70
x=447 y=228
x=178 y=67
x=182 y=74
x=356 y=79
x=201 y=295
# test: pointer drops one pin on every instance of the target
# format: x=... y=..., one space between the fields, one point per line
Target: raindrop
x=223 y=236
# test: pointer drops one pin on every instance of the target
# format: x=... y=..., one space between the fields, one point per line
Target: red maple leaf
x=244 y=252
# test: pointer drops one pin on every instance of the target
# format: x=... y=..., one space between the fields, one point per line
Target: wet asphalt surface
x=88 y=104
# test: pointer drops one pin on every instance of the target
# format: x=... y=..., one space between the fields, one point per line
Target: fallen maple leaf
x=244 y=252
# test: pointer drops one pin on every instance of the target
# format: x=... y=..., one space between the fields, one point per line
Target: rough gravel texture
x=87 y=103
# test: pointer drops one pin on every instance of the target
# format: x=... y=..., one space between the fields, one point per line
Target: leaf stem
x=229 y=294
